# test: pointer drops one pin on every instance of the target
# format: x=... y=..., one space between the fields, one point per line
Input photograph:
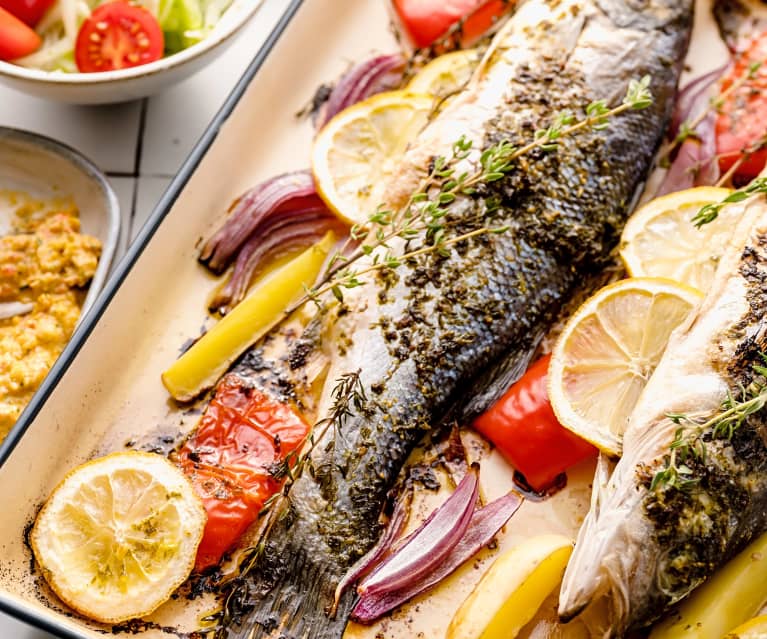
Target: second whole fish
x=430 y=333
x=653 y=535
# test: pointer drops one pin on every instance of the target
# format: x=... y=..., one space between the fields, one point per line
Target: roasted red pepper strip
x=742 y=121
x=525 y=430
x=425 y=21
x=241 y=435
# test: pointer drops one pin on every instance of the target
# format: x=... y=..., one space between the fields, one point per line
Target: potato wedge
x=511 y=591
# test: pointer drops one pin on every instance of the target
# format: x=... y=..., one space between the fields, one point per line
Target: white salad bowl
x=136 y=82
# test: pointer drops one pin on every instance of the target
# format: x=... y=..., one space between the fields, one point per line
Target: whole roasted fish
x=691 y=488
x=428 y=334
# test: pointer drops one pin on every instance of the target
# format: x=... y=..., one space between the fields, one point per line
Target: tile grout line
x=137 y=163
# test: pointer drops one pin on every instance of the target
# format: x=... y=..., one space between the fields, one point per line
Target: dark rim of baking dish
x=90 y=319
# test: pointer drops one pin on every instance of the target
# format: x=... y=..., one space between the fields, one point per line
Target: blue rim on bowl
x=84 y=166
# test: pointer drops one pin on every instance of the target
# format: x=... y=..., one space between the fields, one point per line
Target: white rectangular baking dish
x=105 y=391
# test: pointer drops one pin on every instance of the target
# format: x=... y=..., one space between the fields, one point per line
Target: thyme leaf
x=689 y=446
x=426 y=212
x=710 y=212
x=688 y=127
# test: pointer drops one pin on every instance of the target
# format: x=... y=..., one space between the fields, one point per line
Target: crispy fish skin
x=643 y=548
x=422 y=336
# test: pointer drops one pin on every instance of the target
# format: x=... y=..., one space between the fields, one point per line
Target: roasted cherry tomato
x=525 y=430
x=28 y=11
x=16 y=38
x=230 y=460
x=231 y=509
x=424 y=21
x=742 y=121
x=118 y=35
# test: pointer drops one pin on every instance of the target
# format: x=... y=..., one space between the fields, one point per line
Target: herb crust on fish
x=444 y=325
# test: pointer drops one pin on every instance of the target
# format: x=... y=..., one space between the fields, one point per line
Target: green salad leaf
x=182 y=22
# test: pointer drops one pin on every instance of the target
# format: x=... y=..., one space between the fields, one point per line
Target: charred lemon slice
x=445 y=74
x=511 y=591
x=118 y=535
x=356 y=153
x=607 y=352
x=660 y=239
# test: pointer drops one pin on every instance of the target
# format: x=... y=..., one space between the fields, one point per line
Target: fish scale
x=440 y=329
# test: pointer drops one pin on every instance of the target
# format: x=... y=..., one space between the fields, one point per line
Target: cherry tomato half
x=118 y=35
x=424 y=21
x=28 y=11
x=242 y=434
x=523 y=427
x=16 y=38
x=742 y=120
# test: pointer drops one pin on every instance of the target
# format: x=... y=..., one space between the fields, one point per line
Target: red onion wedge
x=693 y=98
x=275 y=236
x=426 y=548
x=382 y=73
x=384 y=546
x=289 y=195
x=695 y=162
x=485 y=524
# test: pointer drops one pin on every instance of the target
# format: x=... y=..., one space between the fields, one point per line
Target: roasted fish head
x=691 y=488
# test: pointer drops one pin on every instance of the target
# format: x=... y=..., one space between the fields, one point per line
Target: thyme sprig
x=743 y=156
x=710 y=212
x=688 y=128
x=347 y=394
x=689 y=445
x=425 y=213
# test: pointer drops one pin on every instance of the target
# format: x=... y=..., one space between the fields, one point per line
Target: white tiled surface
x=139 y=144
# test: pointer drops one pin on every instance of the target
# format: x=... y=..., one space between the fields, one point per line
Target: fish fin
x=286 y=595
x=573 y=600
x=493 y=382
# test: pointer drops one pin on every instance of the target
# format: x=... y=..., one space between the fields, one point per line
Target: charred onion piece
x=485 y=524
x=382 y=73
x=274 y=236
x=393 y=530
x=287 y=195
x=422 y=551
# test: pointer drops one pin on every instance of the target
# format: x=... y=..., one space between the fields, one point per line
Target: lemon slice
x=511 y=591
x=754 y=629
x=118 y=535
x=608 y=350
x=356 y=153
x=661 y=241
x=445 y=74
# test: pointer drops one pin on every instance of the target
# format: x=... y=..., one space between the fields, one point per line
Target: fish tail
x=288 y=595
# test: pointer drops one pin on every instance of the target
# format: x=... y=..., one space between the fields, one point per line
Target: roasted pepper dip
x=45 y=261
